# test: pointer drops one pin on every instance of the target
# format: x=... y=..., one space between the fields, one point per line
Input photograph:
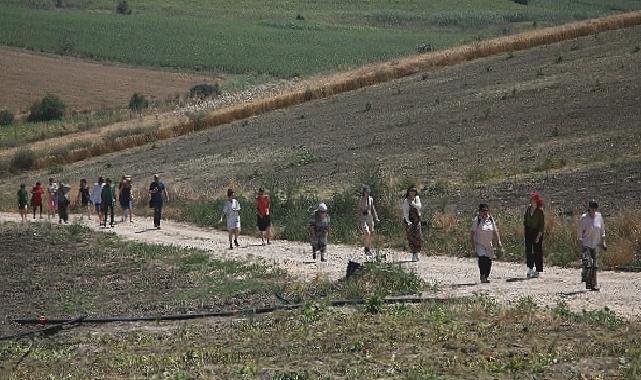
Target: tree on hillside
x=49 y=108
x=6 y=117
x=204 y=90
x=123 y=8
x=138 y=102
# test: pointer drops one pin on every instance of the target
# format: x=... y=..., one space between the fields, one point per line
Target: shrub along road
x=454 y=277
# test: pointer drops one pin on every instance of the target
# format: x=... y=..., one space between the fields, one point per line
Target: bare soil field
x=83 y=85
x=561 y=119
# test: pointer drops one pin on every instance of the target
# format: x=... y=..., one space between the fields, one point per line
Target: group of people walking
x=101 y=197
x=485 y=236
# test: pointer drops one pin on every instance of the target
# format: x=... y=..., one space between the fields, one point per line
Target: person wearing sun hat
x=319 y=230
x=533 y=230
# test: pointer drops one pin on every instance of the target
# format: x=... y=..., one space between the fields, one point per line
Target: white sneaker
x=535 y=274
x=530 y=273
x=415 y=257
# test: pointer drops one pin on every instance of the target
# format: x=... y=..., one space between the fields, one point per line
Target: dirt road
x=455 y=277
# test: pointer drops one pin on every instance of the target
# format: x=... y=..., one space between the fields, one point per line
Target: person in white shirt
x=412 y=219
x=231 y=211
x=367 y=216
x=591 y=236
x=483 y=232
x=95 y=197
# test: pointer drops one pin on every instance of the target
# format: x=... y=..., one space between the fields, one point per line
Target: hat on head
x=322 y=207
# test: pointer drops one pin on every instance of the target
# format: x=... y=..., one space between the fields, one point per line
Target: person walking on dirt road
x=36 y=198
x=63 y=203
x=23 y=202
x=263 y=219
x=157 y=195
x=108 y=198
x=124 y=198
x=319 y=231
x=483 y=232
x=367 y=215
x=591 y=236
x=83 y=199
x=52 y=198
x=231 y=211
x=96 y=198
x=412 y=219
x=533 y=229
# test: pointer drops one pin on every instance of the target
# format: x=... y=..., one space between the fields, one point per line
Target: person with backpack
x=231 y=211
x=23 y=202
x=36 y=199
x=367 y=216
x=108 y=199
x=319 y=231
x=63 y=203
x=263 y=219
x=412 y=218
x=591 y=236
x=483 y=232
x=533 y=229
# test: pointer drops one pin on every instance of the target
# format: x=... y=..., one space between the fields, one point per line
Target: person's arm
x=497 y=236
x=165 y=194
x=579 y=235
x=603 y=244
x=406 y=212
x=374 y=213
x=416 y=203
x=541 y=226
x=472 y=243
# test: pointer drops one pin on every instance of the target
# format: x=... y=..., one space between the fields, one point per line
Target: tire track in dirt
x=455 y=277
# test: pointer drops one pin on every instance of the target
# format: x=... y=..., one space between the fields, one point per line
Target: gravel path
x=455 y=277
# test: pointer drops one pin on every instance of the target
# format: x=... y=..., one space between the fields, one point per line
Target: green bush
x=204 y=90
x=23 y=159
x=49 y=108
x=6 y=117
x=123 y=8
x=138 y=102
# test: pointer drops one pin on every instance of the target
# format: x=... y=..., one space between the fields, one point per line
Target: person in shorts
x=591 y=236
x=231 y=212
x=263 y=219
x=319 y=231
x=36 y=198
x=83 y=199
x=96 y=198
x=52 y=199
x=23 y=202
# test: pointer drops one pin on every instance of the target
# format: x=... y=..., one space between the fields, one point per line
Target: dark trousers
x=63 y=212
x=485 y=266
x=534 y=251
x=590 y=264
x=157 y=214
x=108 y=209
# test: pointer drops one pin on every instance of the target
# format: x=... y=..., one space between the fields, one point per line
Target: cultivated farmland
x=561 y=118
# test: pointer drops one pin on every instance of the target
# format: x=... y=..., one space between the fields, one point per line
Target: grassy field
x=266 y=37
x=64 y=271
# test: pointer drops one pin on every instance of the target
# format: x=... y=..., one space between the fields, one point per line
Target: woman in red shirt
x=263 y=221
x=36 y=198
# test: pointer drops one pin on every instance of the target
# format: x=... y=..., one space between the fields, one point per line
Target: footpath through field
x=455 y=277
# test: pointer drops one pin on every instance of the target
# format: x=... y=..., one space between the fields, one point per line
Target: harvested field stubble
x=318 y=88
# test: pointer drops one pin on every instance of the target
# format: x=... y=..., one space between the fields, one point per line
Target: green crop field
x=277 y=38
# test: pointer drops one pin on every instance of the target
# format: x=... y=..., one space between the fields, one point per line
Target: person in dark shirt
x=533 y=229
x=23 y=201
x=157 y=196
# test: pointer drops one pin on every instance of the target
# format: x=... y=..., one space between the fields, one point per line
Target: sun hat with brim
x=322 y=207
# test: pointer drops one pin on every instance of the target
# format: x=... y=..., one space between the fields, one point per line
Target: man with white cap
x=319 y=230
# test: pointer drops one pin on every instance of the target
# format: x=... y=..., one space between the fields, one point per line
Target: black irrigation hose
x=229 y=313
x=47 y=331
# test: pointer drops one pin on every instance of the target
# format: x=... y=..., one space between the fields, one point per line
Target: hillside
x=547 y=119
